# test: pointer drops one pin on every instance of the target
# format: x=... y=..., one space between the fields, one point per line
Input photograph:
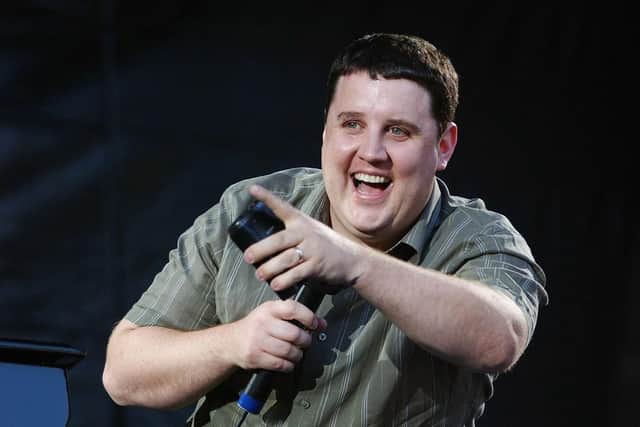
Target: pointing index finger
x=282 y=209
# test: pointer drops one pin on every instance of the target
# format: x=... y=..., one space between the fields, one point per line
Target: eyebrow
x=349 y=115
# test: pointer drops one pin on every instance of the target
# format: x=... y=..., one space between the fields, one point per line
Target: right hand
x=265 y=339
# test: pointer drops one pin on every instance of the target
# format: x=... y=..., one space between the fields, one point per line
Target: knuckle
x=298 y=337
x=287 y=366
x=295 y=355
x=295 y=223
x=282 y=348
x=290 y=308
x=279 y=238
x=305 y=339
x=277 y=364
x=270 y=305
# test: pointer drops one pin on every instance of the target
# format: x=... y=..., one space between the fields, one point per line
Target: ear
x=447 y=145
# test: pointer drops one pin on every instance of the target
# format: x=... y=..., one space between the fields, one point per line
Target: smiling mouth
x=362 y=180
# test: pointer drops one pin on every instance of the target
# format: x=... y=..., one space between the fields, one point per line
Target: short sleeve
x=511 y=275
x=182 y=295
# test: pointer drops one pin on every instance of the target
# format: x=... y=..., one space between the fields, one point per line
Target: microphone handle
x=261 y=383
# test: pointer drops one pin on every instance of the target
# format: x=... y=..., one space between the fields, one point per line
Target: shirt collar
x=413 y=246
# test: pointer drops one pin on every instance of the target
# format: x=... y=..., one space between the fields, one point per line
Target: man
x=429 y=295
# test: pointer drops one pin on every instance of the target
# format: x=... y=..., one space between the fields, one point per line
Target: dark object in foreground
x=33 y=382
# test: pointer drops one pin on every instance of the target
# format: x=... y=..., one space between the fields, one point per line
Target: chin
x=369 y=232
x=370 y=219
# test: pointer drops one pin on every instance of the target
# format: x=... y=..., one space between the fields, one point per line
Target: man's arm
x=464 y=322
x=164 y=368
x=461 y=321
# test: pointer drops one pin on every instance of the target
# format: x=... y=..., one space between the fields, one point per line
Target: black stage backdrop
x=120 y=123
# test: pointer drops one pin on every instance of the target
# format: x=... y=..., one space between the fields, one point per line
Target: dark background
x=120 y=123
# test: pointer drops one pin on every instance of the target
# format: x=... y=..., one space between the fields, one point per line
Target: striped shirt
x=362 y=370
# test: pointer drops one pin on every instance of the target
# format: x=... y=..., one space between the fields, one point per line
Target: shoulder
x=293 y=185
x=472 y=215
x=469 y=226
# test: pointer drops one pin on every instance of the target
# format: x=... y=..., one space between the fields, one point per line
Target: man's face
x=380 y=153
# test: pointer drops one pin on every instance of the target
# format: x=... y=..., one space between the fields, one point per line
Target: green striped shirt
x=362 y=370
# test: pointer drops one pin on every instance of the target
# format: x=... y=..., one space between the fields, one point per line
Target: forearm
x=464 y=322
x=164 y=368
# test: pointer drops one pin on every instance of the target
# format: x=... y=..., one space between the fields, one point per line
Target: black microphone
x=256 y=223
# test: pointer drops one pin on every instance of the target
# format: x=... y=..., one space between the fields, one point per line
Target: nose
x=372 y=148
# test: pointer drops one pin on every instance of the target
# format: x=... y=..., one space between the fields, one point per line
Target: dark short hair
x=398 y=56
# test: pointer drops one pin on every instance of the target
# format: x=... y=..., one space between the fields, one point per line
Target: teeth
x=371 y=179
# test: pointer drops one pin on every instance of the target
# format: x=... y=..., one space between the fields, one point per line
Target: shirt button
x=322 y=336
x=304 y=403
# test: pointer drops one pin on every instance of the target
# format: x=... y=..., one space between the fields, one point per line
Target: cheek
x=331 y=166
x=416 y=166
x=336 y=154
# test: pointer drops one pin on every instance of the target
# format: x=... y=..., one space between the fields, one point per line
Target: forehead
x=359 y=93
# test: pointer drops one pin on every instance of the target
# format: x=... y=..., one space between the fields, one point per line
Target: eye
x=399 y=132
x=352 y=126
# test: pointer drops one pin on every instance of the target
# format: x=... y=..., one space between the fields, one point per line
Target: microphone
x=256 y=223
